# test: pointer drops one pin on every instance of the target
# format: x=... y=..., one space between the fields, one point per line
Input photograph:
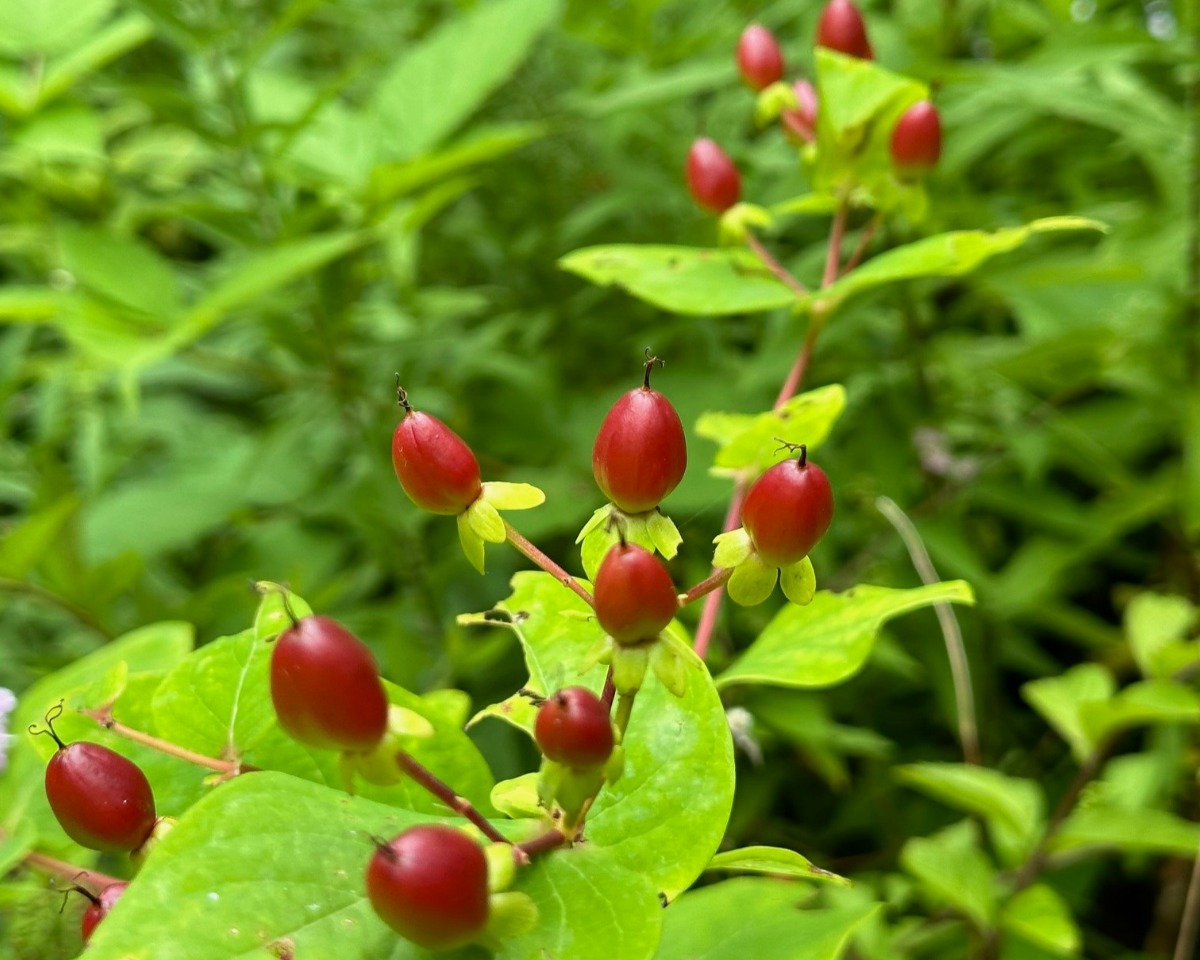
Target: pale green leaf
x=1038 y=914
x=775 y=861
x=1131 y=831
x=1059 y=700
x=1157 y=626
x=952 y=869
x=49 y=27
x=829 y=640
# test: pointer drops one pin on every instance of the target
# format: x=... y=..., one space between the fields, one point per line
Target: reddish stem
x=714 y=582
x=712 y=603
x=550 y=840
x=443 y=792
x=70 y=872
x=610 y=691
x=860 y=248
x=778 y=269
x=543 y=561
x=104 y=717
x=837 y=234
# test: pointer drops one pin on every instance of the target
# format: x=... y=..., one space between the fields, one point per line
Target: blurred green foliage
x=226 y=226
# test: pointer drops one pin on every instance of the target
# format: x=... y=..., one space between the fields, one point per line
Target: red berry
x=712 y=178
x=99 y=907
x=788 y=510
x=917 y=139
x=640 y=453
x=325 y=686
x=573 y=727
x=430 y=884
x=635 y=598
x=841 y=28
x=435 y=467
x=101 y=799
x=759 y=59
x=801 y=122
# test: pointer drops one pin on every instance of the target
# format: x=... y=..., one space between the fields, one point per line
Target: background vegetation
x=225 y=226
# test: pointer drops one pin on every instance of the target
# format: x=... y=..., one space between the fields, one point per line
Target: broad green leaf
x=752 y=442
x=101 y=47
x=829 y=640
x=121 y=269
x=1059 y=700
x=1131 y=831
x=27 y=304
x=688 y=280
x=434 y=86
x=653 y=821
x=775 y=861
x=1157 y=626
x=755 y=918
x=1013 y=808
x=1141 y=703
x=952 y=868
x=24 y=545
x=268 y=864
x=49 y=27
x=944 y=255
x=1041 y=916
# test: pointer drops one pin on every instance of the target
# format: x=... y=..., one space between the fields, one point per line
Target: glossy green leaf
x=1157 y=626
x=1131 y=831
x=944 y=255
x=435 y=85
x=952 y=869
x=1013 y=808
x=245 y=880
x=776 y=861
x=653 y=821
x=1038 y=914
x=752 y=443
x=755 y=917
x=829 y=640
x=687 y=280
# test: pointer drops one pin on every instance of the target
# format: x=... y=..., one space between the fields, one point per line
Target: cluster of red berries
x=916 y=141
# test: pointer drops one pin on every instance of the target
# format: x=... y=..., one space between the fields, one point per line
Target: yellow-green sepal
x=799 y=581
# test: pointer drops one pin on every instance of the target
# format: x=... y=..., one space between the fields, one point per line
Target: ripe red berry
x=325 y=686
x=99 y=907
x=801 y=123
x=788 y=510
x=841 y=28
x=759 y=59
x=101 y=799
x=711 y=176
x=573 y=728
x=430 y=884
x=635 y=598
x=640 y=453
x=435 y=467
x=917 y=139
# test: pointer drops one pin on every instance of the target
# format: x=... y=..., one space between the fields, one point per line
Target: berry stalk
x=104 y=717
x=535 y=555
x=443 y=792
x=782 y=274
x=704 y=587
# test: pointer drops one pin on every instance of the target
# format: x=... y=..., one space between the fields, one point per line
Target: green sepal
x=549 y=778
x=598 y=517
x=518 y=797
x=614 y=768
x=600 y=652
x=510 y=914
x=472 y=543
x=271 y=618
x=736 y=222
x=732 y=548
x=752 y=581
x=669 y=667
x=485 y=520
x=772 y=101
x=512 y=496
x=502 y=869
x=378 y=765
x=799 y=582
x=162 y=826
x=574 y=791
x=629 y=667
x=664 y=533
x=603 y=536
x=347 y=767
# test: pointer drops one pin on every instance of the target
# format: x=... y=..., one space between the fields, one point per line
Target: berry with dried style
x=573 y=728
x=434 y=465
x=842 y=28
x=99 y=907
x=917 y=139
x=759 y=59
x=640 y=453
x=635 y=597
x=800 y=123
x=325 y=686
x=711 y=176
x=430 y=885
x=101 y=799
x=788 y=510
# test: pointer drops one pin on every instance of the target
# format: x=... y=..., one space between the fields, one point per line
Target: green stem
x=624 y=711
x=104 y=717
x=534 y=554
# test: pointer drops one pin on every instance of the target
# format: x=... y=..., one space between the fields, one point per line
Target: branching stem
x=526 y=547
x=104 y=717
